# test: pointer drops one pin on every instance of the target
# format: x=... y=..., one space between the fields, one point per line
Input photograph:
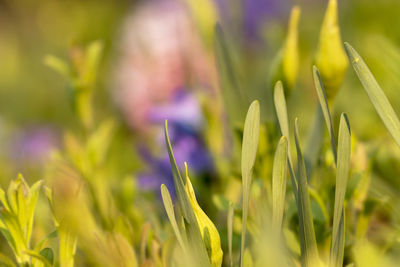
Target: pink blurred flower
x=161 y=54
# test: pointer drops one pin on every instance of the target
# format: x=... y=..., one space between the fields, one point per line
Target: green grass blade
x=375 y=93
x=308 y=244
x=169 y=208
x=231 y=213
x=342 y=173
x=281 y=112
x=315 y=139
x=279 y=174
x=249 y=150
x=179 y=183
x=192 y=228
x=325 y=108
x=234 y=96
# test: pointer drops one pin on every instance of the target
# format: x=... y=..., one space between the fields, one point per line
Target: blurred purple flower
x=184 y=121
x=33 y=145
x=184 y=110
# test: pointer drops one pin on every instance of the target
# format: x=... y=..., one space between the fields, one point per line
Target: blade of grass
x=308 y=244
x=249 y=150
x=235 y=98
x=281 y=112
x=169 y=208
x=194 y=237
x=375 y=93
x=342 y=173
x=279 y=173
x=315 y=139
x=325 y=108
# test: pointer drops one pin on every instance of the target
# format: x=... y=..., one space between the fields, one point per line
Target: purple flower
x=33 y=145
x=184 y=122
x=183 y=110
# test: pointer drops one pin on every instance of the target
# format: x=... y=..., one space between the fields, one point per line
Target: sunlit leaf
x=208 y=231
x=169 y=208
x=375 y=93
x=279 y=174
x=249 y=150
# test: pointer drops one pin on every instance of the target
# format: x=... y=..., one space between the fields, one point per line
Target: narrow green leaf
x=13 y=233
x=92 y=59
x=308 y=244
x=315 y=139
x=67 y=241
x=169 y=208
x=319 y=201
x=342 y=173
x=58 y=65
x=3 y=199
x=34 y=194
x=325 y=108
x=235 y=98
x=279 y=173
x=375 y=93
x=179 y=183
x=231 y=213
x=249 y=150
x=281 y=112
x=191 y=225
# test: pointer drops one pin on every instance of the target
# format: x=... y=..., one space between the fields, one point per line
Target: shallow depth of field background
x=158 y=63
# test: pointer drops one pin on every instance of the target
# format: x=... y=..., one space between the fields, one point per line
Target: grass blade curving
x=375 y=93
x=325 y=108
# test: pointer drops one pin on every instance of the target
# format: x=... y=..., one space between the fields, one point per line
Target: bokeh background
x=158 y=63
